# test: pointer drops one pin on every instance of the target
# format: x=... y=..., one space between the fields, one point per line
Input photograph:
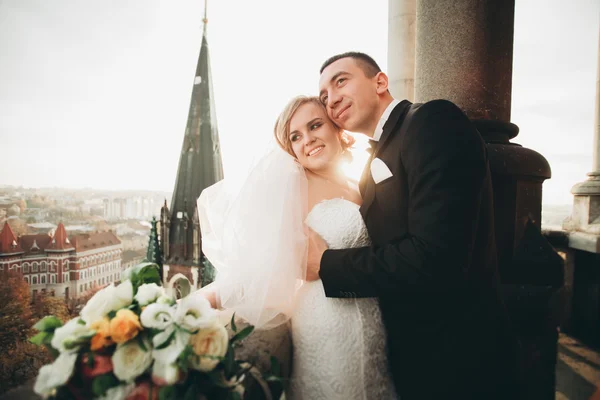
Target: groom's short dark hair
x=364 y=61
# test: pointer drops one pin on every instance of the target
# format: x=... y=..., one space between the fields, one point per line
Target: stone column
x=464 y=53
x=401 y=48
x=584 y=223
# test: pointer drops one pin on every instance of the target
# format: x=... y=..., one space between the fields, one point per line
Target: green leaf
x=39 y=338
x=49 y=323
x=112 y=314
x=81 y=322
x=53 y=352
x=234 y=396
x=167 y=393
x=242 y=334
x=102 y=383
x=229 y=362
x=149 y=274
x=140 y=341
x=90 y=361
x=233 y=327
x=275 y=366
x=191 y=393
x=166 y=342
x=183 y=359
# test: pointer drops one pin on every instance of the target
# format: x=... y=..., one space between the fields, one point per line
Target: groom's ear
x=382 y=82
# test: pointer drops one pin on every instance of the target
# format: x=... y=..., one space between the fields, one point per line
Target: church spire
x=200 y=162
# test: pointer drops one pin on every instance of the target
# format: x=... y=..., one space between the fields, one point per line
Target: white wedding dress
x=339 y=345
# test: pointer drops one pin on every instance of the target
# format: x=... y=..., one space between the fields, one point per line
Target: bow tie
x=373 y=145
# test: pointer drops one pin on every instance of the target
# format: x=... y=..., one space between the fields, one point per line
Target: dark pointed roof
x=60 y=240
x=8 y=241
x=200 y=162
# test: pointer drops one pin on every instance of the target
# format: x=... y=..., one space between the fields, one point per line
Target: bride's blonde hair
x=282 y=125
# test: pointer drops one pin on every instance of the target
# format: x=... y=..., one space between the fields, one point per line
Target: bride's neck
x=333 y=175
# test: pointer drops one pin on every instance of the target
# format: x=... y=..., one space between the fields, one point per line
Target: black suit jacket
x=433 y=259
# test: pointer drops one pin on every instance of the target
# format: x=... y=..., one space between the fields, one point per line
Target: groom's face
x=349 y=95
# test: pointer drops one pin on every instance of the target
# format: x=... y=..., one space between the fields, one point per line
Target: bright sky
x=96 y=93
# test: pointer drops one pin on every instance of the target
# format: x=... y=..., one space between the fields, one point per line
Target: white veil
x=256 y=239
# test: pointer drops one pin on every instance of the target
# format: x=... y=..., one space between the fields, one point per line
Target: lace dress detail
x=339 y=345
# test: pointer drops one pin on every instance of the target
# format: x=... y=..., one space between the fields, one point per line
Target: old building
x=62 y=265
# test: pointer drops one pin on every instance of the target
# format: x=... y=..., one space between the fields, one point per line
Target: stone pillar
x=402 y=24
x=584 y=223
x=464 y=53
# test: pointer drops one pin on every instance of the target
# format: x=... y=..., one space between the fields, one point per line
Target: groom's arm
x=446 y=166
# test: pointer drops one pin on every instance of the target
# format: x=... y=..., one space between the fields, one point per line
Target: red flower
x=102 y=365
x=144 y=390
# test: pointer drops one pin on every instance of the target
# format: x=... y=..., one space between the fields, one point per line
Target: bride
x=256 y=236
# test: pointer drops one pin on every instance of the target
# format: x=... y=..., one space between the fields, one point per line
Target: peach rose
x=102 y=337
x=124 y=326
x=209 y=344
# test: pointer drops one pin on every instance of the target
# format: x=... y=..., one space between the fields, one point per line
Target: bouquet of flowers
x=133 y=341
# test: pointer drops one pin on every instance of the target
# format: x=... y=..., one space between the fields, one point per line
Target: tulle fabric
x=254 y=235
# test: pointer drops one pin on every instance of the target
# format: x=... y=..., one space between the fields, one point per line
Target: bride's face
x=315 y=139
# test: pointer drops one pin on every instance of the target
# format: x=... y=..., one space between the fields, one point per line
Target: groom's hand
x=316 y=248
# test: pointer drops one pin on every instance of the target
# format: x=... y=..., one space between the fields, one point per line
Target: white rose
x=118 y=393
x=208 y=344
x=109 y=299
x=126 y=274
x=170 y=353
x=69 y=337
x=130 y=361
x=165 y=299
x=168 y=374
x=194 y=312
x=148 y=293
x=54 y=375
x=157 y=316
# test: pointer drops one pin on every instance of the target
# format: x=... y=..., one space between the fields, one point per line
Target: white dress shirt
x=383 y=120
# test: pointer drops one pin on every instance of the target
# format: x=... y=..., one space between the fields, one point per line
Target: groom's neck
x=384 y=102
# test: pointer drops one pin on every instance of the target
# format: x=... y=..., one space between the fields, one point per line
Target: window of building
x=18 y=268
x=52 y=278
x=34 y=267
x=25 y=268
x=34 y=280
x=26 y=279
x=80 y=288
x=52 y=267
x=1 y=267
x=43 y=279
x=66 y=266
x=43 y=265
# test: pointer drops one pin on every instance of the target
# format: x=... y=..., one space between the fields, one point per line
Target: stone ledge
x=585 y=241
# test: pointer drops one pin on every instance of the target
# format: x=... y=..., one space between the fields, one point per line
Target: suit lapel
x=397 y=116
x=391 y=126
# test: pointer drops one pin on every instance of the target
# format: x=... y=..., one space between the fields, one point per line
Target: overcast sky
x=96 y=93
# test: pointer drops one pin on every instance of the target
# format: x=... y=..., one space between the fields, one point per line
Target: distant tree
x=15 y=312
x=19 y=226
x=46 y=304
x=19 y=359
x=22 y=205
x=208 y=272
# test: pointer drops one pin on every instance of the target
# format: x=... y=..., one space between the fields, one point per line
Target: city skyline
x=97 y=95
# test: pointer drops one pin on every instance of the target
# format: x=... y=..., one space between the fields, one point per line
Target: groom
x=427 y=204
